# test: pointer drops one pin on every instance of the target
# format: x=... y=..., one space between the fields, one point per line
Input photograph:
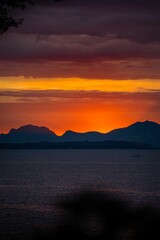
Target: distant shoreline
x=78 y=145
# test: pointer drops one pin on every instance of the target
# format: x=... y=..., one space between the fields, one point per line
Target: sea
x=32 y=180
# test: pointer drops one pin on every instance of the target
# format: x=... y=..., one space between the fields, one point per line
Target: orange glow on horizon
x=124 y=102
x=79 y=117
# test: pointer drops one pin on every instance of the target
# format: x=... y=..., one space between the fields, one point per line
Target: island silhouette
x=138 y=135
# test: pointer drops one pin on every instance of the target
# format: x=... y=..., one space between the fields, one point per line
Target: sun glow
x=77 y=104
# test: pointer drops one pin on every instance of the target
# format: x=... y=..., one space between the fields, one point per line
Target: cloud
x=89 y=39
x=59 y=95
x=73 y=48
x=115 y=69
x=108 y=4
x=137 y=21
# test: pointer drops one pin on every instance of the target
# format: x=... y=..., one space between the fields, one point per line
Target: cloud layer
x=113 y=36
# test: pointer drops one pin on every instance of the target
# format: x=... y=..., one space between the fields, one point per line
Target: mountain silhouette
x=147 y=132
x=28 y=133
x=143 y=132
x=88 y=136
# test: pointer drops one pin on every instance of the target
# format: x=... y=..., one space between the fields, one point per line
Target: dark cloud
x=115 y=69
x=80 y=33
x=74 y=48
x=151 y=95
x=114 y=4
x=125 y=20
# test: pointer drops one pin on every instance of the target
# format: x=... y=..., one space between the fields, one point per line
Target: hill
x=140 y=132
x=28 y=133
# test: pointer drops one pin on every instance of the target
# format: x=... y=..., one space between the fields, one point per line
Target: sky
x=81 y=65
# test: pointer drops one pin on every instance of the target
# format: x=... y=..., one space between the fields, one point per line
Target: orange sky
x=100 y=75
x=77 y=104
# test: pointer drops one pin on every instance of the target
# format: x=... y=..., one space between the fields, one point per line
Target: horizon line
x=59 y=135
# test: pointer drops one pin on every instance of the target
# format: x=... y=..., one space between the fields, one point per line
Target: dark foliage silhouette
x=98 y=215
x=7 y=13
x=7 y=16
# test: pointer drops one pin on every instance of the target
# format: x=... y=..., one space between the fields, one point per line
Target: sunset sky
x=81 y=65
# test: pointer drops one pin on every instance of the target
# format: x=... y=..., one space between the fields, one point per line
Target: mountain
x=70 y=136
x=140 y=132
x=28 y=133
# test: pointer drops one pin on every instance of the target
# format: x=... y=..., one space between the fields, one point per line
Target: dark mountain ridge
x=28 y=133
x=31 y=129
x=146 y=132
x=88 y=136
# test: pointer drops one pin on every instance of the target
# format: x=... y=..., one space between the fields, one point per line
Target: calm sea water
x=30 y=180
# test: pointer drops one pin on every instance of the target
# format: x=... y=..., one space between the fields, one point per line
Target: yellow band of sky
x=78 y=84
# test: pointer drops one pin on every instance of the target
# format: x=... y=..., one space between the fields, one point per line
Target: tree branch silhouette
x=7 y=13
